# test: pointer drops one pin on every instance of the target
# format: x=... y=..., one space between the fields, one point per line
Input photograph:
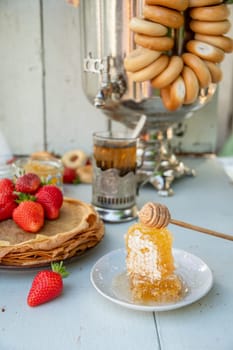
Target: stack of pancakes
x=77 y=229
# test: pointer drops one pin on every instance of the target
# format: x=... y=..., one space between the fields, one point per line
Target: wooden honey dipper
x=158 y=215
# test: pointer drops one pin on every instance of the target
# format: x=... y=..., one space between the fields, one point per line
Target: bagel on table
x=179 y=77
x=77 y=167
x=74 y=159
x=42 y=155
x=85 y=173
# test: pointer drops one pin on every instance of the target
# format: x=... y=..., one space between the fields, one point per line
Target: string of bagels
x=179 y=77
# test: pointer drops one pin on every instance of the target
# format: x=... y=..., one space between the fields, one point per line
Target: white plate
x=108 y=276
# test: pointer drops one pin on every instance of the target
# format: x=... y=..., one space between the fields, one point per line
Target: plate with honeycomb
x=109 y=278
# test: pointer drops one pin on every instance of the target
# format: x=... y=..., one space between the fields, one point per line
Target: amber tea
x=121 y=157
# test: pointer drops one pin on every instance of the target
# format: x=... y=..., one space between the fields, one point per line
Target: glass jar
x=50 y=170
x=6 y=171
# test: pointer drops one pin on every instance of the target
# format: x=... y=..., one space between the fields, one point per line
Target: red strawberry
x=47 y=285
x=29 y=215
x=28 y=183
x=7 y=205
x=69 y=176
x=6 y=186
x=51 y=198
x=6 y=198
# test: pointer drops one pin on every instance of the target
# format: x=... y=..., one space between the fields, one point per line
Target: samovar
x=106 y=39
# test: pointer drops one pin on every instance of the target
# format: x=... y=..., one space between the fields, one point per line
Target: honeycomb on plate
x=150 y=264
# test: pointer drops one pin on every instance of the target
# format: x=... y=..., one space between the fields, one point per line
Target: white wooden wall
x=42 y=105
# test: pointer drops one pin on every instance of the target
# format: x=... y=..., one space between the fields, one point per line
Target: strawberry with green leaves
x=47 y=285
x=29 y=215
x=28 y=183
x=51 y=198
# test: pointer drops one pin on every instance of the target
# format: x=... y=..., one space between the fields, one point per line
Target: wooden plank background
x=42 y=105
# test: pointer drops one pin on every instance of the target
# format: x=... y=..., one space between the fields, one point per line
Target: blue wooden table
x=82 y=319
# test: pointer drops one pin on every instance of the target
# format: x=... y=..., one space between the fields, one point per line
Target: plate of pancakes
x=77 y=229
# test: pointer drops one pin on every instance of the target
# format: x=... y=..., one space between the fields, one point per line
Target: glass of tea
x=114 y=185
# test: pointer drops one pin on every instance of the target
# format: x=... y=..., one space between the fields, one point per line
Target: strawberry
x=51 y=198
x=28 y=183
x=47 y=285
x=29 y=215
x=70 y=176
x=6 y=186
x=7 y=205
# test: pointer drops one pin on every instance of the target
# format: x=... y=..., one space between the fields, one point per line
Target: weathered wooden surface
x=81 y=319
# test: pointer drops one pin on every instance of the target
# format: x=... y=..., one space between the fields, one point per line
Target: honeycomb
x=150 y=264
